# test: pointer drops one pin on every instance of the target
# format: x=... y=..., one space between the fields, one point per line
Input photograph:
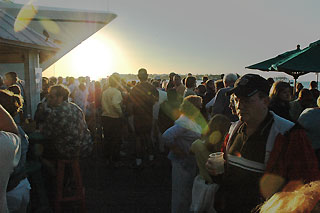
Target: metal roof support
x=32 y=93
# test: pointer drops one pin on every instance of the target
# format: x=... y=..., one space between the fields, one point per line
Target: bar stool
x=78 y=193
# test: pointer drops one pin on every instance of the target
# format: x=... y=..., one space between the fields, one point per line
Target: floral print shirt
x=66 y=126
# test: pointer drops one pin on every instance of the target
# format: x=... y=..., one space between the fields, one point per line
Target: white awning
x=67 y=28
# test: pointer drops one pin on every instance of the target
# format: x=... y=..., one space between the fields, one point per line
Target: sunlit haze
x=97 y=57
x=201 y=37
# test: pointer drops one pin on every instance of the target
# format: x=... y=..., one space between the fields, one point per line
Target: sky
x=201 y=37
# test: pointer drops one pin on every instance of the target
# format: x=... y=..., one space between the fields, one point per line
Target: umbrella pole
x=295 y=86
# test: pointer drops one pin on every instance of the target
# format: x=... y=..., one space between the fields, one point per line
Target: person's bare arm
x=6 y=122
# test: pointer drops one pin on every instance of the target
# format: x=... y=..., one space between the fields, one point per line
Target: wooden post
x=32 y=95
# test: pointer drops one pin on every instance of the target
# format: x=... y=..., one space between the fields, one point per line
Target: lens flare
x=24 y=17
x=215 y=137
x=50 y=26
x=270 y=184
x=300 y=198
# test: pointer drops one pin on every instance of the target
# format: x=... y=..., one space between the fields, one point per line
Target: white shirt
x=10 y=153
x=156 y=106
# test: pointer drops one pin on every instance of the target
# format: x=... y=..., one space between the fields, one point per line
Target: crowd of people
x=269 y=137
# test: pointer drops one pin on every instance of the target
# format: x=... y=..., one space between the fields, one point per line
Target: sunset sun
x=95 y=58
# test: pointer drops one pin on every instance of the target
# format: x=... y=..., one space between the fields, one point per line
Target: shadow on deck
x=126 y=189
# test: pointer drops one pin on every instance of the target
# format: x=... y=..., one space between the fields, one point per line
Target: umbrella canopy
x=267 y=64
x=295 y=63
x=302 y=62
x=307 y=60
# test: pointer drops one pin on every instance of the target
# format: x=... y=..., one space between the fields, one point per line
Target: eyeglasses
x=244 y=100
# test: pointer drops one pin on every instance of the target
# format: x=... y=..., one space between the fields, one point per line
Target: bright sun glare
x=94 y=57
x=97 y=57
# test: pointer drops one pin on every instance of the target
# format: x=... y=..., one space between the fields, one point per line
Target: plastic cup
x=217 y=161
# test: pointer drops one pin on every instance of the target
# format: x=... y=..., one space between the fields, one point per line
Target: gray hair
x=230 y=78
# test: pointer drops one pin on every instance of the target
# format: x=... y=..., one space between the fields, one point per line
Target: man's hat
x=248 y=85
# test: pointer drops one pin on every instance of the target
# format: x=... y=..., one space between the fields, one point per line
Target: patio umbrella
x=305 y=61
x=300 y=63
x=267 y=64
x=271 y=64
x=295 y=63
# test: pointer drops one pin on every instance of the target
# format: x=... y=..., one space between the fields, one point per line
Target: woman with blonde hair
x=204 y=188
x=280 y=96
x=178 y=139
x=111 y=102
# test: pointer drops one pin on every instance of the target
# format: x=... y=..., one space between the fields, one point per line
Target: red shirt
x=293 y=158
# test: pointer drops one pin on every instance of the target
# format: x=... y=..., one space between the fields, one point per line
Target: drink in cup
x=217 y=161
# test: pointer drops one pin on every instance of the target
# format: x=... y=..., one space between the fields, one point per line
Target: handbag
x=203 y=195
